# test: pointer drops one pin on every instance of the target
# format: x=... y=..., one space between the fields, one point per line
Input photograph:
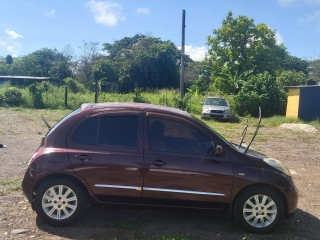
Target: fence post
x=66 y=97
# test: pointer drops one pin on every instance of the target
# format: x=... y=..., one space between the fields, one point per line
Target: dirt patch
x=21 y=131
x=299 y=127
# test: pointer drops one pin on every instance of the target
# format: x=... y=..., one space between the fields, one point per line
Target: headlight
x=206 y=110
x=277 y=164
x=227 y=111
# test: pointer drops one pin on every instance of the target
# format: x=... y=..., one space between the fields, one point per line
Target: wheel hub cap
x=259 y=211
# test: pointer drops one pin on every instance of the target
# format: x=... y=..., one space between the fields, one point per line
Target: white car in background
x=217 y=108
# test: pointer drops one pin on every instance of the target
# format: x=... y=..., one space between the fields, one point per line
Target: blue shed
x=304 y=102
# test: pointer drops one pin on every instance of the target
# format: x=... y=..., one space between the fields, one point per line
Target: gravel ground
x=21 y=131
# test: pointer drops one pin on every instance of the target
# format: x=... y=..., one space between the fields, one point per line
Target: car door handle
x=82 y=157
x=158 y=163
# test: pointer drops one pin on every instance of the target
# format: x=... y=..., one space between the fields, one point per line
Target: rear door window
x=118 y=131
x=108 y=130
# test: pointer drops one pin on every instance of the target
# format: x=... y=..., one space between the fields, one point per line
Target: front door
x=180 y=163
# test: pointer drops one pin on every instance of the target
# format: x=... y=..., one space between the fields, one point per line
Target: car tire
x=59 y=202
x=258 y=210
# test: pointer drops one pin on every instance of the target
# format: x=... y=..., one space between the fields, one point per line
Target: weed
x=9 y=185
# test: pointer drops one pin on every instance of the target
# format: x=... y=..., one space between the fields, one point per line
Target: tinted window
x=108 y=130
x=119 y=131
x=174 y=136
x=87 y=133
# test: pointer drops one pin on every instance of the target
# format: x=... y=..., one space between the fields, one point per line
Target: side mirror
x=201 y=103
x=2 y=146
x=218 y=151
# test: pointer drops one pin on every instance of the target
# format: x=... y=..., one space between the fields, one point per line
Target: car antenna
x=46 y=122
x=244 y=133
x=256 y=131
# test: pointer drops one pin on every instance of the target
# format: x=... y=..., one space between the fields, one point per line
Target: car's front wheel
x=259 y=210
x=59 y=202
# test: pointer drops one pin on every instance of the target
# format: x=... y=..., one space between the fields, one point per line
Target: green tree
x=314 y=70
x=240 y=46
x=9 y=59
x=291 y=78
x=103 y=73
x=89 y=55
x=44 y=63
x=296 y=64
x=144 y=62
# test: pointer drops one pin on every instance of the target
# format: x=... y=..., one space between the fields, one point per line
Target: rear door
x=105 y=151
x=180 y=164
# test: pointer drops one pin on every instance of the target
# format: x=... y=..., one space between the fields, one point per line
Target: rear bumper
x=28 y=184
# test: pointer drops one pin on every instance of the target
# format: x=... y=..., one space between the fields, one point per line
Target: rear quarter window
x=87 y=132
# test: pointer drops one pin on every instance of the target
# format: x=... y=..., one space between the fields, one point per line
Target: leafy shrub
x=73 y=85
x=36 y=90
x=12 y=97
x=138 y=98
x=291 y=78
x=1 y=100
x=260 y=90
x=183 y=103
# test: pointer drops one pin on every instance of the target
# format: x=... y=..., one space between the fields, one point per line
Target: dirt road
x=21 y=132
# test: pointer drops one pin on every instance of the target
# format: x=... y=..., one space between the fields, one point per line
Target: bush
x=261 y=90
x=36 y=90
x=12 y=97
x=138 y=98
x=1 y=100
x=73 y=85
x=291 y=78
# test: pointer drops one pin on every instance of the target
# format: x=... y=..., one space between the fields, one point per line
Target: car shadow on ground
x=156 y=223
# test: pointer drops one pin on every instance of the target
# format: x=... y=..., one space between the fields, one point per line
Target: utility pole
x=182 y=54
x=96 y=91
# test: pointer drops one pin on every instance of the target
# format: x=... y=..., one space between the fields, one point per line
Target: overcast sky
x=29 y=25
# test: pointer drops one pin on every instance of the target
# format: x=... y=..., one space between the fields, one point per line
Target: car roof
x=133 y=106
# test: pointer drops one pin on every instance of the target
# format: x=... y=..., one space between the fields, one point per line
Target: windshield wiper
x=46 y=122
x=256 y=131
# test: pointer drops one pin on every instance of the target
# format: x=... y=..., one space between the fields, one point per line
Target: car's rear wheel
x=59 y=202
x=259 y=210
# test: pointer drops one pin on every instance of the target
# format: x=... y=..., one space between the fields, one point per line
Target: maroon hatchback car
x=152 y=155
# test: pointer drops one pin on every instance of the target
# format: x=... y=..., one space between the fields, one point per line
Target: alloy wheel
x=59 y=202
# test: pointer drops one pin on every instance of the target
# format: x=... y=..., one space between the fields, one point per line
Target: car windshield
x=216 y=102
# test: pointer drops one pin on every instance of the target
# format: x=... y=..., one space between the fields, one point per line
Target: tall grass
x=55 y=99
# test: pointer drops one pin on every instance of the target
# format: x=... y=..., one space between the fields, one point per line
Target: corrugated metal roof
x=304 y=86
x=26 y=77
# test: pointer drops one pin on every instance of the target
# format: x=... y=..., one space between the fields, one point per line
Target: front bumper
x=292 y=195
x=223 y=116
